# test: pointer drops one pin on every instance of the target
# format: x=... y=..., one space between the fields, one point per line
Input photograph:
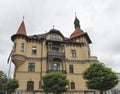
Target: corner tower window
x=34 y=50
x=22 y=47
x=14 y=47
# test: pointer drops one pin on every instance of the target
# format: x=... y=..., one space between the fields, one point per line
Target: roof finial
x=75 y=15
x=23 y=18
x=53 y=26
x=76 y=22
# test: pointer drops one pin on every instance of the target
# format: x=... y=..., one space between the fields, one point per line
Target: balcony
x=63 y=71
x=56 y=54
x=93 y=58
x=18 y=59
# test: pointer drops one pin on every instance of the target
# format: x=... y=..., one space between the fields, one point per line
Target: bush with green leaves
x=3 y=80
x=11 y=86
x=55 y=82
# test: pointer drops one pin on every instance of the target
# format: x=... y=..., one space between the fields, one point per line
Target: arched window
x=55 y=66
x=30 y=85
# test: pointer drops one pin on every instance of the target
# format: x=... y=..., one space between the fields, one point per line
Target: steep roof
x=56 y=31
x=76 y=33
x=22 y=29
x=78 y=30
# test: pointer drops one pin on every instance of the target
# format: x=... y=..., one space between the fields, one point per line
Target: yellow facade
x=37 y=55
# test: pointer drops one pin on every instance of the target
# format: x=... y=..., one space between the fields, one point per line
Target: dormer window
x=54 y=36
x=35 y=37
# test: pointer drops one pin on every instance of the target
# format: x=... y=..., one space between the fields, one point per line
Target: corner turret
x=19 y=40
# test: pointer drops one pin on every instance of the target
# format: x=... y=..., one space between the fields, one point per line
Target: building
x=36 y=55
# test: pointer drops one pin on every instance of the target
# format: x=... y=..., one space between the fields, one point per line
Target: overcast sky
x=99 y=18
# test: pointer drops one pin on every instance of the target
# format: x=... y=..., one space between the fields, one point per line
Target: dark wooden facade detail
x=56 y=57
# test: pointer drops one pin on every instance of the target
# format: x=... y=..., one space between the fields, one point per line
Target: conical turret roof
x=22 y=29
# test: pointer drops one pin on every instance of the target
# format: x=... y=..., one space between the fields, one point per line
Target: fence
x=68 y=92
x=2 y=92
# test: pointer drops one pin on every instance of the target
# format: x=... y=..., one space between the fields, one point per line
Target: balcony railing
x=52 y=53
x=18 y=57
x=93 y=58
x=63 y=71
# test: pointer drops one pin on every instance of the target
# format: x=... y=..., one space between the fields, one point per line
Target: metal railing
x=56 y=53
x=63 y=71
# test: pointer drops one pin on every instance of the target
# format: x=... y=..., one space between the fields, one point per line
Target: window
x=73 y=53
x=55 y=49
x=30 y=85
x=31 y=67
x=54 y=36
x=34 y=50
x=71 y=68
x=14 y=47
x=54 y=66
x=22 y=47
x=72 y=85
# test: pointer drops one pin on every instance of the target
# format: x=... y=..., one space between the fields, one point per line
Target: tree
x=3 y=80
x=11 y=86
x=99 y=77
x=55 y=82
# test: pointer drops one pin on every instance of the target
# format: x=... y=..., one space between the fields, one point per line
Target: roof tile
x=76 y=33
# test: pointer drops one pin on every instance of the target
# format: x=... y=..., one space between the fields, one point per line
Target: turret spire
x=22 y=29
x=75 y=14
x=76 y=22
x=78 y=30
